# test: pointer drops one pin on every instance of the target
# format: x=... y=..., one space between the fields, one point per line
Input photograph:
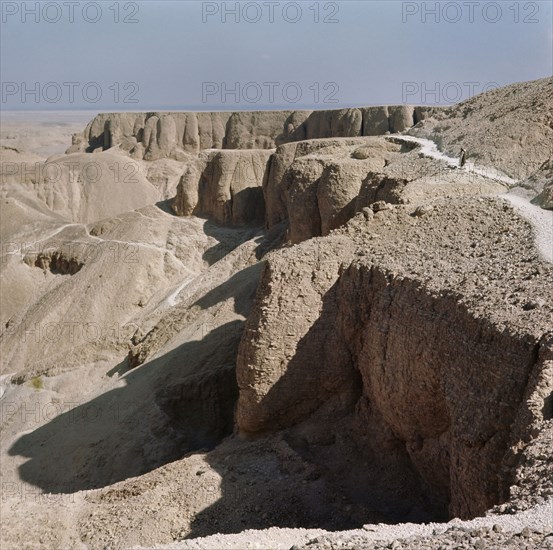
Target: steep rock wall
x=423 y=364
x=224 y=185
x=446 y=384
x=151 y=136
x=315 y=184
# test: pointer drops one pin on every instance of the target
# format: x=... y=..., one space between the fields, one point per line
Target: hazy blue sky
x=185 y=54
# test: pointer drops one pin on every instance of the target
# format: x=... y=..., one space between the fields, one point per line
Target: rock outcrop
x=254 y=130
x=365 y=121
x=381 y=352
x=318 y=185
x=545 y=198
x=152 y=136
x=543 y=179
x=224 y=185
x=313 y=184
x=400 y=340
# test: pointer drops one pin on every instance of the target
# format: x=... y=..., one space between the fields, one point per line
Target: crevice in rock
x=56 y=262
x=434 y=415
x=201 y=408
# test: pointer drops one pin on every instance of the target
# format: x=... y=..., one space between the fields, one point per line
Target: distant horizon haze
x=235 y=56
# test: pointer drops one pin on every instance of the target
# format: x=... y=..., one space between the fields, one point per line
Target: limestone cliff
x=152 y=136
x=225 y=186
x=318 y=185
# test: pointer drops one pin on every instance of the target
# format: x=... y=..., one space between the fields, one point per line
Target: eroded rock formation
x=380 y=352
x=152 y=136
x=403 y=341
x=318 y=185
x=225 y=186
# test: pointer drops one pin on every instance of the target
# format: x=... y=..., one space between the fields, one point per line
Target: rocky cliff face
x=318 y=185
x=430 y=371
x=151 y=136
x=224 y=185
x=314 y=184
x=380 y=352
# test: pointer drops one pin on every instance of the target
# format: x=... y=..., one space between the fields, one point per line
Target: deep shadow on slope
x=174 y=404
x=239 y=287
x=178 y=403
x=323 y=473
x=428 y=395
x=267 y=240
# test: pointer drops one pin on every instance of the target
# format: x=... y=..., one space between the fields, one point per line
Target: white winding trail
x=21 y=251
x=57 y=231
x=5 y=381
x=429 y=149
x=172 y=300
x=540 y=219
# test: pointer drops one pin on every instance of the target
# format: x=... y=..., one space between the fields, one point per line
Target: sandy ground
x=43 y=133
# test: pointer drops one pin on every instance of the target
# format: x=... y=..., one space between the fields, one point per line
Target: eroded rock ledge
x=423 y=332
x=151 y=136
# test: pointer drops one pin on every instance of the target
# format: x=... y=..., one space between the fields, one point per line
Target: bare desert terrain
x=279 y=329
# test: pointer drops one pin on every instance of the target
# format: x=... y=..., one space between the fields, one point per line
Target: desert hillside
x=510 y=129
x=280 y=329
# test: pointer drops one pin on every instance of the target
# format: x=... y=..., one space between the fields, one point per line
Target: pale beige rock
x=191 y=139
x=84 y=188
x=254 y=130
x=509 y=128
x=340 y=123
x=226 y=186
x=375 y=121
x=167 y=134
x=165 y=174
x=194 y=132
x=401 y=118
x=337 y=192
x=283 y=201
x=545 y=198
x=186 y=199
x=396 y=370
x=294 y=127
x=317 y=185
x=150 y=139
x=542 y=180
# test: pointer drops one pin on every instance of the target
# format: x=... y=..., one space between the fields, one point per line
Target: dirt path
x=541 y=220
x=429 y=149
